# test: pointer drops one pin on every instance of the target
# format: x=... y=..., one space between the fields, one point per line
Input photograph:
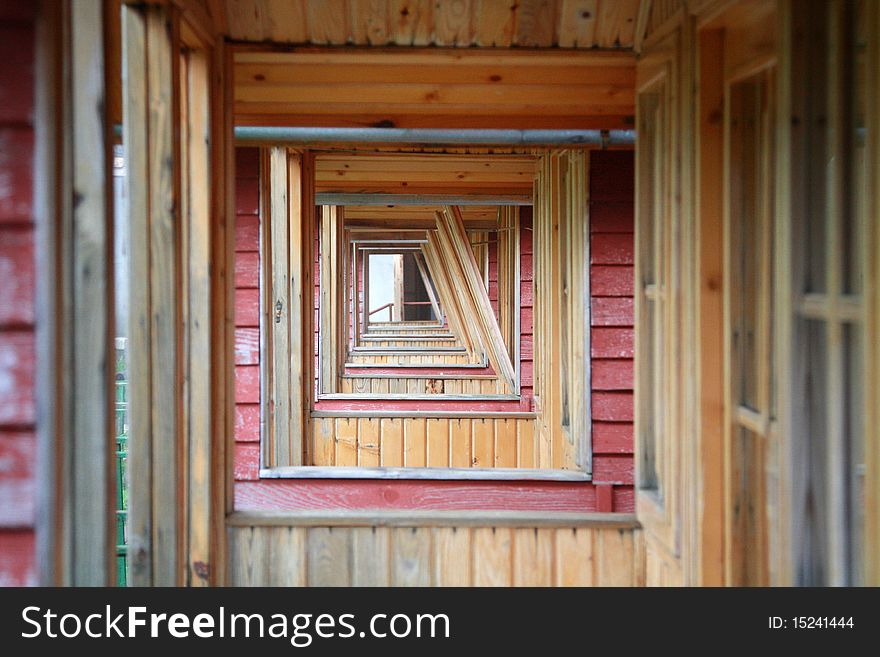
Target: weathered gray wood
x=162 y=77
x=329 y=557
x=287 y=556
x=411 y=556
x=424 y=518
x=279 y=316
x=137 y=181
x=91 y=276
x=370 y=556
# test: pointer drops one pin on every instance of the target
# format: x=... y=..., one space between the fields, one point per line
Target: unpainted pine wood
x=371 y=556
x=492 y=556
x=452 y=23
x=346 y=441
x=573 y=557
x=452 y=556
x=391 y=438
x=615 y=24
x=494 y=23
x=328 y=23
x=614 y=552
x=533 y=557
x=198 y=328
x=437 y=441
x=483 y=446
x=324 y=448
x=411 y=556
x=415 y=442
x=577 y=23
x=505 y=430
x=329 y=556
x=526 y=446
x=370 y=22
x=369 y=442
x=460 y=454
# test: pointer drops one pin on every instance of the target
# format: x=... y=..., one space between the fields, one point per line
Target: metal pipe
x=433 y=136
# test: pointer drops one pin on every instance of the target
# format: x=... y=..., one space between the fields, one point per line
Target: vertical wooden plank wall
x=419 y=555
x=17 y=316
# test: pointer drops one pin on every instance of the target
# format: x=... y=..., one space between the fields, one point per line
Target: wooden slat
x=371 y=558
x=286 y=556
x=454 y=240
x=90 y=320
x=411 y=556
x=452 y=556
x=329 y=552
x=533 y=557
x=279 y=310
x=421 y=88
x=135 y=135
x=161 y=77
x=492 y=556
x=197 y=222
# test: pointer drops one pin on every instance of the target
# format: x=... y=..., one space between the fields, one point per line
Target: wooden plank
x=250 y=552
x=494 y=23
x=453 y=519
x=452 y=23
x=279 y=313
x=431 y=87
x=574 y=557
x=614 y=552
x=371 y=556
x=415 y=447
x=492 y=556
x=332 y=298
x=162 y=77
x=329 y=556
x=483 y=447
x=460 y=454
x=411 y=556
x=533 y=557
x=411 y=22
x=286 y=556
x=577 y=24
x=346 y=439
x=301 y=199
x=91 y=281
x=135 y=135
x=437 y=442
x=369 y=441
x=197 y=222
x=452 y=556
x=505 y=431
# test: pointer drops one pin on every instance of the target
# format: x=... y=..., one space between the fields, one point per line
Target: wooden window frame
x=276 y=205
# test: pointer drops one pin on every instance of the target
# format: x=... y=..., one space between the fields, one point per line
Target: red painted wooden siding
x=247 y=310
x=611 y=291
x=611 y=274
x=17 y=274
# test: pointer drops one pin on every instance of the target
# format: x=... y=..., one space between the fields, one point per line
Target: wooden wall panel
x=477 y=442
x=435 y=88
x=435 y=556
x=485 y=23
